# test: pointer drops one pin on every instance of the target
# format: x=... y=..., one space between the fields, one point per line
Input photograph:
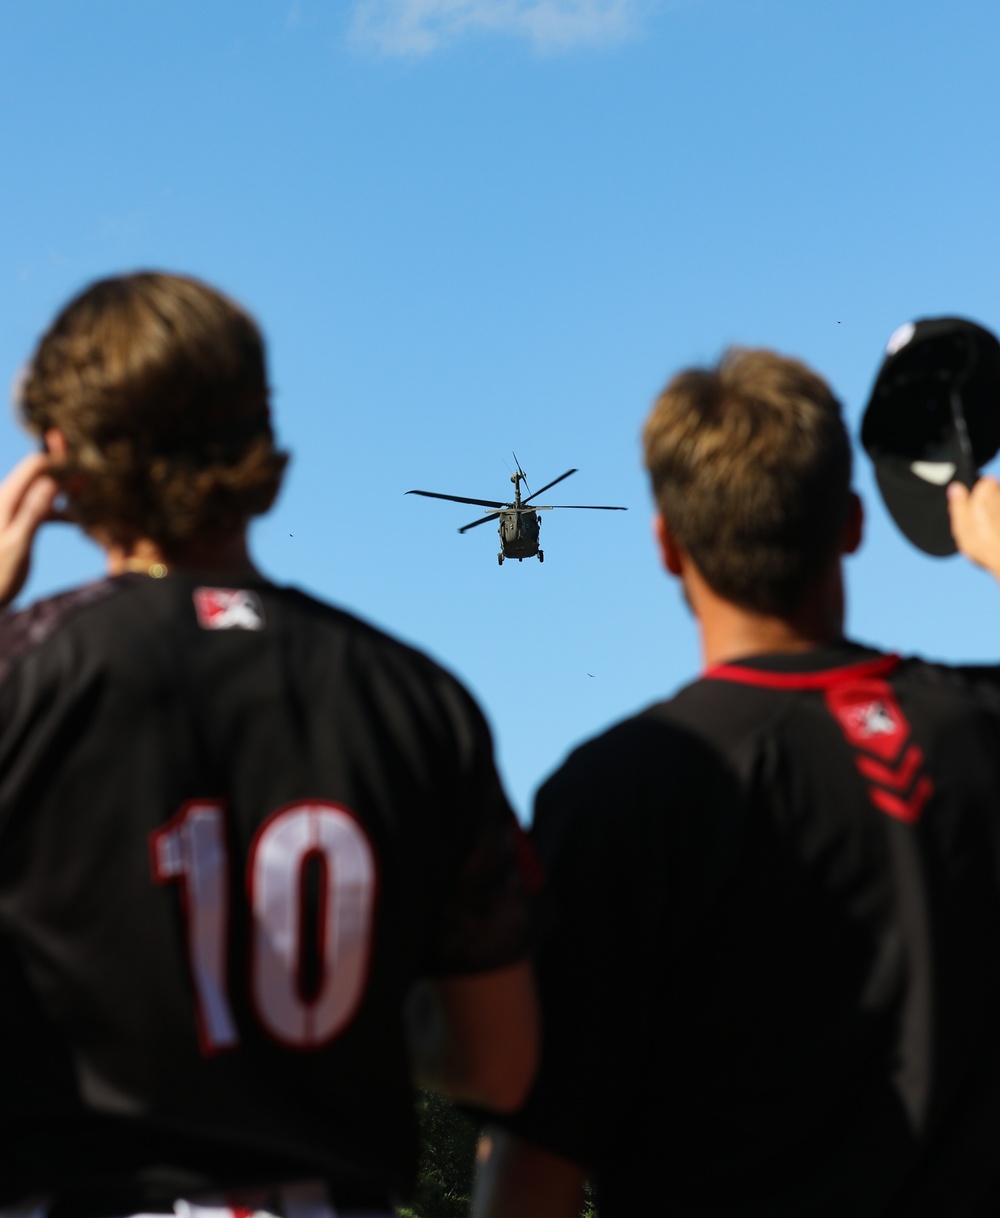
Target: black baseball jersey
x=771 y=976
x=235 y=825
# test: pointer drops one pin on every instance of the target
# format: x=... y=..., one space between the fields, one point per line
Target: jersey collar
x=818 y=669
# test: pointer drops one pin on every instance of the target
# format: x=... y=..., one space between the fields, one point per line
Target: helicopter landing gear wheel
x=541 y=556
x=500 y=559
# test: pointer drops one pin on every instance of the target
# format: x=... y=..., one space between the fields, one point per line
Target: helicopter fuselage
x=519 y=534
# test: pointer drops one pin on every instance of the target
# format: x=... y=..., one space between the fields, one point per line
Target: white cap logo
x=940 y=473
x=900 y=338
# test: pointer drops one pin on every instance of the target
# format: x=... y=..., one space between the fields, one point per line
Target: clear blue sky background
x=472 y=227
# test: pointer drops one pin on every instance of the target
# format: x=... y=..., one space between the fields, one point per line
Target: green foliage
x=448 y=1162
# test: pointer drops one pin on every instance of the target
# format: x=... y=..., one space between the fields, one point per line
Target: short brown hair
x=159 y=385
x=751 y=468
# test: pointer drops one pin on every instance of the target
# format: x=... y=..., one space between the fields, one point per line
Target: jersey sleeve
x=636 y=832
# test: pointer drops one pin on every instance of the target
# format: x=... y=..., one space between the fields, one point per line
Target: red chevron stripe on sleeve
x=874 y=725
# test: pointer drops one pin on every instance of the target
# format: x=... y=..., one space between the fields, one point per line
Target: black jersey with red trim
x=235 y=825
x=771 y=976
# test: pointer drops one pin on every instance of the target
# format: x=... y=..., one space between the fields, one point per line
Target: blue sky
x=477 y=227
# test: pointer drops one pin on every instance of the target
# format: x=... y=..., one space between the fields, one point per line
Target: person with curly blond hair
x=256 y=864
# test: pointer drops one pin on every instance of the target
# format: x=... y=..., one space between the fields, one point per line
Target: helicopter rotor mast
x=549 y=485
x=517 y=478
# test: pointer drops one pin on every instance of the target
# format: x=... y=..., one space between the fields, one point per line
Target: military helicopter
x=519 y=524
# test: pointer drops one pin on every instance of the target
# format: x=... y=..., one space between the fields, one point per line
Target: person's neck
x=224 y=556
x=731 y=632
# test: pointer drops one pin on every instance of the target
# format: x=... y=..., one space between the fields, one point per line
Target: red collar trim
x=880 y=667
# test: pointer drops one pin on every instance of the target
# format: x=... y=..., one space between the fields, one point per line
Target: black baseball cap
x=933 y=417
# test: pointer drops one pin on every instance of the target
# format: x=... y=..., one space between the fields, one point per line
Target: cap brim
x=918 y=507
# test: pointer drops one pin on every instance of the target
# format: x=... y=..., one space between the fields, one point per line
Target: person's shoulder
x=369 y=639
x=975 y=683
x=689 y=755
x=921 y=668
x=729 y=714
x=25 y=630
x=348 y=622
x=639 y=758
x=657 y=731
x=386 y=664
x=645 y=796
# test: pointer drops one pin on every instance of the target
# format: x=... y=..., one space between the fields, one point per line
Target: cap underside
x=918 y=506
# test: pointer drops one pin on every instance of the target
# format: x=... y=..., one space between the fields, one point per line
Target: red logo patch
x=870 y=717
x=228 y=609
x=876 y=728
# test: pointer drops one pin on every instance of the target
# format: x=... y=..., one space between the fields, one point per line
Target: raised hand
x=975 y=522
x=27 y=496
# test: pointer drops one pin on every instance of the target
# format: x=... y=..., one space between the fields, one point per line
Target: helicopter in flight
x=519 y=524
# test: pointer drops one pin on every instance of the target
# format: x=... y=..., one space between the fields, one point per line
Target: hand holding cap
x=975 y=522
x=933 y=417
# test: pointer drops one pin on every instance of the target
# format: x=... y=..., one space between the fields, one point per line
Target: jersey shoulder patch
x=885 y=753
x=228 y=609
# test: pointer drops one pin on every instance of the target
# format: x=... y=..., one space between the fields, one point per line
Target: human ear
x=671 y=552
x=55 y=444
x=854 y=526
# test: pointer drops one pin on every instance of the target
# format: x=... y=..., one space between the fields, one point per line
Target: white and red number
x=191 y=849
x=280 y=852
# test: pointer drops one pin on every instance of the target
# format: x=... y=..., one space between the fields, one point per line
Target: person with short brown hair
x=746 y=460
x=256 y=863
x=770 y=978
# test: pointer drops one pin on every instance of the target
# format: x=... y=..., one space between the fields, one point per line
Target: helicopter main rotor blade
x=551 y=484
x=459 y=499
x=492 y=516
x=591 y=507
x=524 y=476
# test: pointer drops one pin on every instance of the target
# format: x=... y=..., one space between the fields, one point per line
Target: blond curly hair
x=158 y=384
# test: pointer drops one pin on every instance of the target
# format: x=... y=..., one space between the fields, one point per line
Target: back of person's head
x=159 y=386
x=751 y=468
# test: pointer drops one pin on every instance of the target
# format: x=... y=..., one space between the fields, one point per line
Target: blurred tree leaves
x=448 y=1162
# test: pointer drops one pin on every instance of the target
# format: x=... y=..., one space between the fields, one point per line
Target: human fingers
x=17 y=533
x=35 y=507
x=975 y=522
x=17 y=482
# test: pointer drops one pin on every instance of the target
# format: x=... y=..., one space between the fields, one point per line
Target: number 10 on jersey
x=191 y=850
